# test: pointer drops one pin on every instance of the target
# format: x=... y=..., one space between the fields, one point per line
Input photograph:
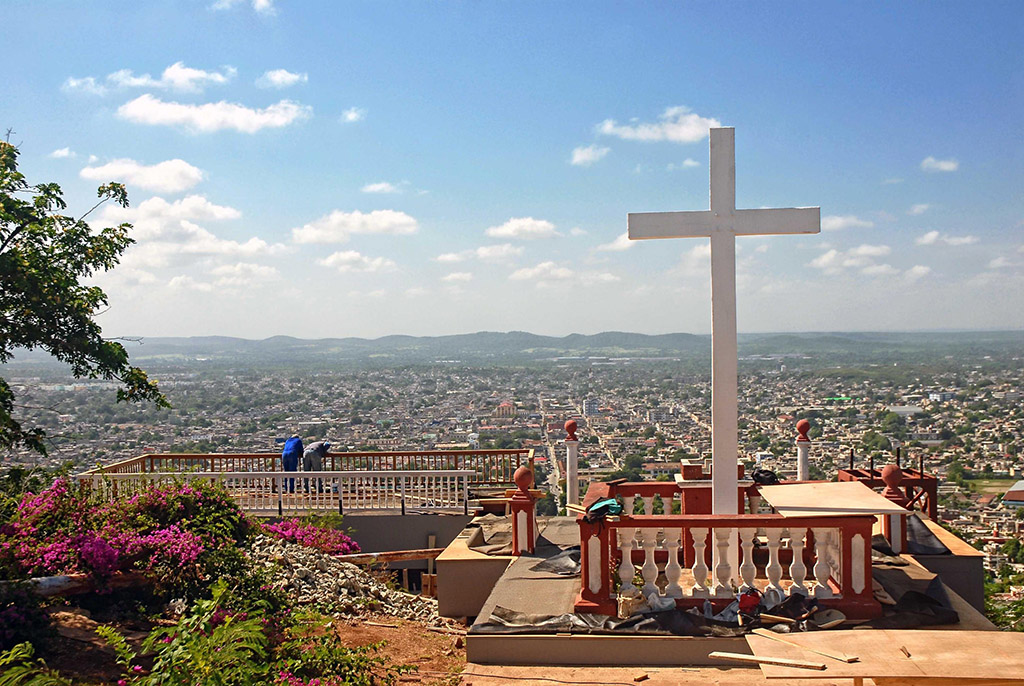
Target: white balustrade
x=292 y=492
x=700 y=567
x=673 y=570
x=747 y=568
x=649 y=540
x=821 y=567
x=797 y=569
x=773 y=570
x=723 y=570
x=626 y=570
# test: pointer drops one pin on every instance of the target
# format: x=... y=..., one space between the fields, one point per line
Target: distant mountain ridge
x=514 y=347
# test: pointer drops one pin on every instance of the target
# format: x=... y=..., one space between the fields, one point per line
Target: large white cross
x=722 y=223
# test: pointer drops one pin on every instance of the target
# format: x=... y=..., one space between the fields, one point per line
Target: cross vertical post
x=722 y=223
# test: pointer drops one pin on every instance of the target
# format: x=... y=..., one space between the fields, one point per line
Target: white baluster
x=649 y=505
x=774 y=570
x=797 y=570
x=700 y=567
x=821 y=566
x=747 y=568
x=627 y=505
x=649 y=539
x=723 y=570
x=755 y=502
x=626 y=570
x=673 y=570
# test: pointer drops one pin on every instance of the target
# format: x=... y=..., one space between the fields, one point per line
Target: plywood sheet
x=828 y=498
x=962 y=655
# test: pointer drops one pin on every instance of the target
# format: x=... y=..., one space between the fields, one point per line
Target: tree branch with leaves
x=44 y=257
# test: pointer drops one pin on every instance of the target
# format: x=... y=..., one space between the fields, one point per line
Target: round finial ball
x=892 y=475
x=523 y=478
x=802 y=427
x=570 y=430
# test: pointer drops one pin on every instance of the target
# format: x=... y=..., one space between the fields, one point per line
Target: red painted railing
x=826 y=557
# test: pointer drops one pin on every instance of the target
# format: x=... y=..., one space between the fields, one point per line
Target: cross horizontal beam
x=762 y=222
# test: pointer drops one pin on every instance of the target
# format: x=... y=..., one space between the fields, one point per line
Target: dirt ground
x=438 y=658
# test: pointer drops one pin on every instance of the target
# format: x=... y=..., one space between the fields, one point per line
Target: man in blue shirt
x=290 y=459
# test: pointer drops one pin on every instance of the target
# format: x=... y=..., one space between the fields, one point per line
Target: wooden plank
x=782 y=639
x=391 y=556
x=766 y=660
x=821 y=498
x=963 y=655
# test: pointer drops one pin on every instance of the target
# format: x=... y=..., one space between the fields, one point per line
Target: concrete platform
x=544 y=594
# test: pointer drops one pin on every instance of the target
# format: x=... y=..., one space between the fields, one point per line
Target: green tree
x=43 y=256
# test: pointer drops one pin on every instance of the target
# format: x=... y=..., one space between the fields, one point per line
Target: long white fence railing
x=300 y=492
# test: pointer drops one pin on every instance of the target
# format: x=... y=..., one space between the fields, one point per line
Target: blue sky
x=366 y=168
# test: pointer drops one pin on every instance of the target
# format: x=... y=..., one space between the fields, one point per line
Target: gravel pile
x=312 y=577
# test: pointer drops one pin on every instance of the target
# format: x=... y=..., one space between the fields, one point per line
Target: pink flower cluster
x=59 y=531
x=330 y=541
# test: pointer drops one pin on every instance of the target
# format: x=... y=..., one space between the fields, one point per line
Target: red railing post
x=595 y=559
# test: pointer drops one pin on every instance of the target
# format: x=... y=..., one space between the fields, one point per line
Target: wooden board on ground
x=967 y=656
x=827 y=498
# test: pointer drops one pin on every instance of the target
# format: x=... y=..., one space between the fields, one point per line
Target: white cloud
x=352 y=261
x=697 y=258
x=916 y=272
x=87 y=84
x=415 y=292
x=620 y=243
x=861 y=257
x=918 y=209
x=352 y=115
x=930 y=164
x=281 y=78
x=502 y=251
x=212 y=116
x=577 y=231
x=453 y=256
x=547 y=274
x=381 y=187
x=184 y=282
x=171 y=176
x=935 y=237
x=176 y=77
x=688 y=163
x=264 y=7
x=337 y=226
x=458 y=277
x=827 y=260
x=243 y=274
x=838 y=222
x=880 y=270
x=677 y=124
x=523 y=228
x=586 y=156
x=488 y=253
x=866 y=250
x=1000 y=263
x=545 y=271
x=166 y=232
x=61 y=153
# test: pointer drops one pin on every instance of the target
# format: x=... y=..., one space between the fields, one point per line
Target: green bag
x=603 y=508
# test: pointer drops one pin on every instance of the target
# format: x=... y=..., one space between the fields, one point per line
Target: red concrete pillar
x=595 y=595
x=524 y=513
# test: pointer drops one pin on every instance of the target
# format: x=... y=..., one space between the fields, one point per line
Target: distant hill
x=518 y=347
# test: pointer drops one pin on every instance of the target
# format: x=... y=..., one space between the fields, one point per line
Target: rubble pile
x=313 y=577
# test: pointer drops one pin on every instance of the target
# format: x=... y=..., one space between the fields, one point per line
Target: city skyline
x=373 y=170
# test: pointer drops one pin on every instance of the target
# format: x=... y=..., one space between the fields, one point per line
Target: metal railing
x=283 y=493
x=489 y=468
